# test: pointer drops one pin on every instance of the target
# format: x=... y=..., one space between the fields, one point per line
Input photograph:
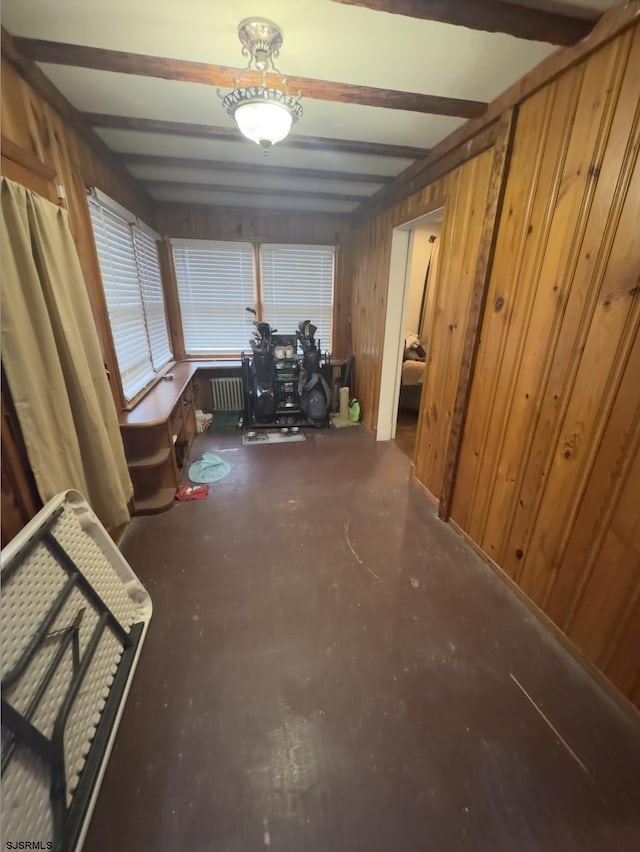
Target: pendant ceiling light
x=263 y=114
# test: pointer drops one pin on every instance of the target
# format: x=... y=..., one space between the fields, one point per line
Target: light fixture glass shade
x=263 y=113
x=264 y=122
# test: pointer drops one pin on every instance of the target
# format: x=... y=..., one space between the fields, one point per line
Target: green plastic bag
x=354 y=411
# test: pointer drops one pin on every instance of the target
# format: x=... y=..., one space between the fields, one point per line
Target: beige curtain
x=52 y=359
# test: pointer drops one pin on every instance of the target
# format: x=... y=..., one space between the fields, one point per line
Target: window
x=215 y=286
x=132 y=284
x=217 y=281
x=297 y=284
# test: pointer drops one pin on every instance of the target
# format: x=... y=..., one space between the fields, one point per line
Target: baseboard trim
x=624 y=703
x=422 y=486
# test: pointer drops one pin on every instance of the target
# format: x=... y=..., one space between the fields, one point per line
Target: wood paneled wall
x=19 y=496
x=201 y=222
x=44 y=152
x=31 y=124
x=548 y=483
x=549 y=461
x=462 y=193
x=464 y=208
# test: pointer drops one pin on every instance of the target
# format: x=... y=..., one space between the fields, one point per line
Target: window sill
x=232 y=360
x=155 y=405
x=145 y=390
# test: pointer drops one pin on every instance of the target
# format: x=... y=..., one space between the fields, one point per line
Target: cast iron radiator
x=74 y=616
x=227 y=394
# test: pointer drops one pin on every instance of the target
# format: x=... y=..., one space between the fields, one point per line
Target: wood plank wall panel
x=464 y=209
x=33 y=128
x=463 y=194
x=201 y=222
x=342 y=344
x=29 y=122
x=368 y=252
x=549 y=480
x=19 y=495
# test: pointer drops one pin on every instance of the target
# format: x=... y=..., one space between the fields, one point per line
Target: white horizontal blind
x=297 y=284
x=130 y=272
x=116 y=254
x=152 y=297
x=215 y=285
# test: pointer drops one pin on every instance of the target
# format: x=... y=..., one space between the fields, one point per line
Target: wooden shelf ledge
x=152 y=460
x=160 y=501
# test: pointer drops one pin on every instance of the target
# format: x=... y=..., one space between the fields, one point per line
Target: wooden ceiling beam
x=254 y=190
x=266 y=170
x=43 y=86
x=187 y=213
x=99 y=59
x=231 y=134
x=494 y=16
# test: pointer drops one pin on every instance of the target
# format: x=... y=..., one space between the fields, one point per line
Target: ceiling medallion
x=263 y=113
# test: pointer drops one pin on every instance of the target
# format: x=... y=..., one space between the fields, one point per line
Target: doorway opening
x=413 y=269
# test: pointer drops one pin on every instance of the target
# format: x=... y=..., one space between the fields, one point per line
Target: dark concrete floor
x=331 y=669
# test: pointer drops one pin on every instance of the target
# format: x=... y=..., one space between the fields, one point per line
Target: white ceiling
x=263 y=180
x=160 y=144
x=322 y=40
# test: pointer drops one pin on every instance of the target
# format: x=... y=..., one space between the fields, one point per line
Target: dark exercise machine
x=282 y=378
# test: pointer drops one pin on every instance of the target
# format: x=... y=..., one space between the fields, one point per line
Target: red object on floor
x=191 y=492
